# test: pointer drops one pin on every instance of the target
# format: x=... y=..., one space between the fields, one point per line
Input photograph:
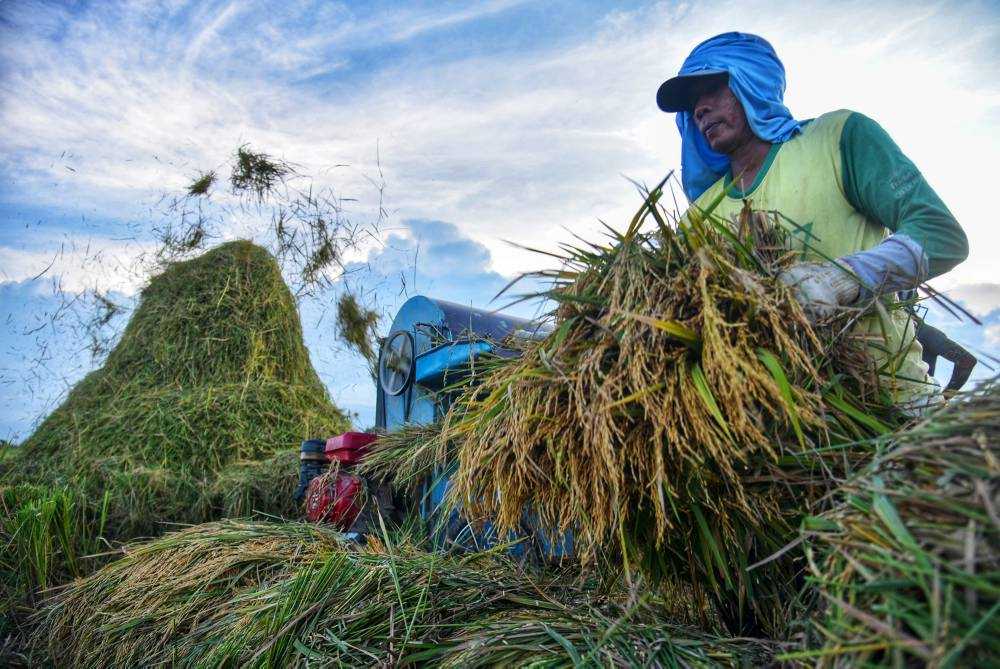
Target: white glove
x=821 y=288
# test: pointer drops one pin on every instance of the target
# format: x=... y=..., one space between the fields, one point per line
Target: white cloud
x=979 y=298
x=78 y=266
x=992 y=334
x=211 y=32
x=514 y=146
x=407 y=27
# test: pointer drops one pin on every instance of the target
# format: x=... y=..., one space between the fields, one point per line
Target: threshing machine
x=431 y=345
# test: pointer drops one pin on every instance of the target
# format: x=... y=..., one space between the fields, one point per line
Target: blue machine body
x=445 y=342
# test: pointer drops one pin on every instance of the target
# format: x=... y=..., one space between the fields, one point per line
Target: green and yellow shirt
x=846 y=186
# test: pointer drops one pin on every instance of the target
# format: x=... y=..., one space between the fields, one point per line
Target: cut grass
x=201 y=185
x=357 y=327
x=256 y=175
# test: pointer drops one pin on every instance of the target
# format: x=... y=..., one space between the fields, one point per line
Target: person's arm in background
x=885 y=185
x=938 y=344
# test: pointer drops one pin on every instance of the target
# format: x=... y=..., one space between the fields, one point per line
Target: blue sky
x=489 y=121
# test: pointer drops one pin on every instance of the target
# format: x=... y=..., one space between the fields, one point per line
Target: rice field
x=740 y=489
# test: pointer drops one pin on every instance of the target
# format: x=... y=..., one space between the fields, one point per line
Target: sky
x=487 y=122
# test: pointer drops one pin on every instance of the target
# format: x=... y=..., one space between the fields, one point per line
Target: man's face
x=719 y=114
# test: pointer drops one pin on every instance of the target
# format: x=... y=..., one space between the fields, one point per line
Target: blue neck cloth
x=757 y=78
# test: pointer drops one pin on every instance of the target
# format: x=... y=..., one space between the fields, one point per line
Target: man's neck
x=746 y=160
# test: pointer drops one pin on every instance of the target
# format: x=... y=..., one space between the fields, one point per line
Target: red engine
x=337 y=496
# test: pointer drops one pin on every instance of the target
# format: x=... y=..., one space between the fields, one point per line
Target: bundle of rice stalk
x=237 y=594
x=908 y=565
x=683 y=411
x=406 y=457
x=141 y=608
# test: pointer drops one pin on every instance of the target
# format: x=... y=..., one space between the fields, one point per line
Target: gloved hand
x=822 y=288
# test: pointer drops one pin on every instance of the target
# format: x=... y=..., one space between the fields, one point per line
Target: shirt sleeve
x=885 y=185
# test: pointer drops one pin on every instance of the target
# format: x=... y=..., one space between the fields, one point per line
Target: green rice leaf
x=709 y=539
x=869 y=421
x=888 y=514
x=774 y=367
x=701 y=384
x=675 y=329
x=574 y=656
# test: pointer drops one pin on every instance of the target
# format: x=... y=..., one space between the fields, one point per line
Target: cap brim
x=674 y=95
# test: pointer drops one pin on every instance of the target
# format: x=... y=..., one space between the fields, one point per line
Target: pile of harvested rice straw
x=275 y=595
x=196 y=415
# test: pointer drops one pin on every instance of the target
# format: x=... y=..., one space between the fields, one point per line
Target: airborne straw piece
x=202 y=184
x=357 y=327
x=257 y=174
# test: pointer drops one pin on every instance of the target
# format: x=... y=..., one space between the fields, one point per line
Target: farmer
x=862 y=216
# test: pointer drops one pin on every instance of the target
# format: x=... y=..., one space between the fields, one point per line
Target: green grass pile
x=290 y=594
x=247 y=487
x=196 y=414
x=908 y=563
x=682 y=416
